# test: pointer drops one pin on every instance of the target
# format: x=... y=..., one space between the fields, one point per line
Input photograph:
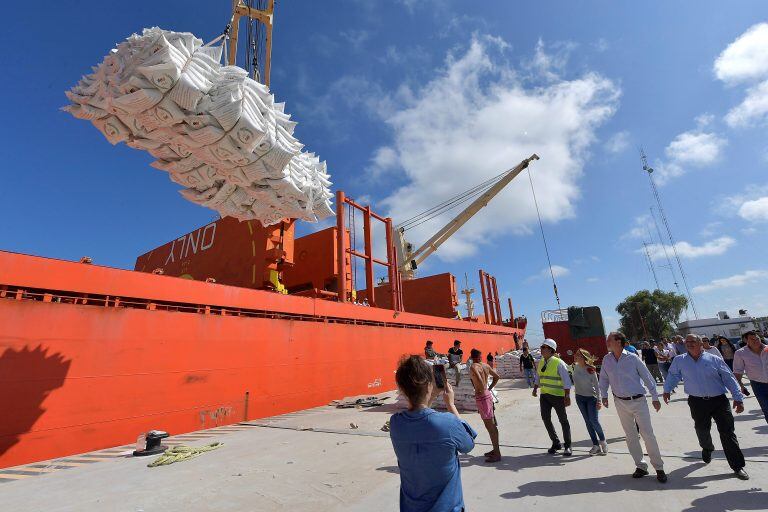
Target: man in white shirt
x=752 y=360
x=628 y=377
x=709 y=349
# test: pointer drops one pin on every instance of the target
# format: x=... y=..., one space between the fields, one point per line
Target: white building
x=722 y=325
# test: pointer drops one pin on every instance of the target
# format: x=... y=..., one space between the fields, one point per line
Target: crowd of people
x=427 y=443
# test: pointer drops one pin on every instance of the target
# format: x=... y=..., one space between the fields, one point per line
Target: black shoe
x=741 y=474
x=639 y=473
x=661 y=476
x=567 y=452
x=555 y=448
x=706 y=456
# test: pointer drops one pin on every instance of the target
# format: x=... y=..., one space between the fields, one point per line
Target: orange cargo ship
x=91 y=356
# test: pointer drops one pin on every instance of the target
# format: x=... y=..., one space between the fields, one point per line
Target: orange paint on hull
x=78 y=377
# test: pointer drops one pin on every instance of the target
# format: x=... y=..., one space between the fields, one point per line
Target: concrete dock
x=314 y=460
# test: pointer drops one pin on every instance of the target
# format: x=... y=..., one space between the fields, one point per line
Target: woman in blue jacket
x=427 y=442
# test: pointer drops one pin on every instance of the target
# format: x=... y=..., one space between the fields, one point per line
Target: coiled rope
x=182 y=452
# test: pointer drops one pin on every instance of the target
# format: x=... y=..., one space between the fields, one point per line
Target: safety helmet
x=549 y=342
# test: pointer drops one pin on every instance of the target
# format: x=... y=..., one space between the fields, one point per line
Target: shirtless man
x=479 y=373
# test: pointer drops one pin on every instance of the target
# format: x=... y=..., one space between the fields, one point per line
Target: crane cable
x=448 y=207
x=544 y=239
x=450 y=203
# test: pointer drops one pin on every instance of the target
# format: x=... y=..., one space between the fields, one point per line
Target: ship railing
x=554 y=315
x=107 y=301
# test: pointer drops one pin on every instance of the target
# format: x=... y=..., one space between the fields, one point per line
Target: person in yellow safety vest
x=555 y=383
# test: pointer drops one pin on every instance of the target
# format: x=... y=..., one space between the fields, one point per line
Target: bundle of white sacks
x=214 y=130
x=508 y=365
x=463 y=393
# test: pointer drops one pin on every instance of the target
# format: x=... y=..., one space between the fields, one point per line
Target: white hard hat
x=549 y=342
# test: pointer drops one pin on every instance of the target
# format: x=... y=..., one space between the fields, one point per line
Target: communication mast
x=650 y=265
x=648 y=169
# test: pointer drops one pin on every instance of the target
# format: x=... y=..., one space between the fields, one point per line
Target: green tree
x=650 y=314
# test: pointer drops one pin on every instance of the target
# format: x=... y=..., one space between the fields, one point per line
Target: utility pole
x=467 y=291
x=648 y=169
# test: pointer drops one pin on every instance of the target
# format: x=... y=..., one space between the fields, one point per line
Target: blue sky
x=412 y=102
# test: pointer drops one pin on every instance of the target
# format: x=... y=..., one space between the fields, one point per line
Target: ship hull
x=91 y=356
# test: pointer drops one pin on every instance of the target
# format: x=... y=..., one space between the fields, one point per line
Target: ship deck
x=314 y=460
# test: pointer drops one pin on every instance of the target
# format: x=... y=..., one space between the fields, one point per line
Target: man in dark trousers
x=707 y=379
x=555 y=383
x=527 y=367
x=455 y=355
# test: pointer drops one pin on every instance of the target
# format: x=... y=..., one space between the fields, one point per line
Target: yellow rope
x=182 y=452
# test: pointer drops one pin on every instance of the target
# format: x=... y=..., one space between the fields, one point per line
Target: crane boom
x=410 y=259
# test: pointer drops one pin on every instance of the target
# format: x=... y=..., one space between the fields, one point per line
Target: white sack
x=211 y=128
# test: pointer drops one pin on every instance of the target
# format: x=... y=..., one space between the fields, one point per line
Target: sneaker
x=596 y=450
x=603 y=448
x=567 y=452
x=555 y=447
x=661 y=476
x=706 y=456
x=639 y=473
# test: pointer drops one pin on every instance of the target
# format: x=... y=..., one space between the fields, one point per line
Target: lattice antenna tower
x=650 y=264
x=649 y=170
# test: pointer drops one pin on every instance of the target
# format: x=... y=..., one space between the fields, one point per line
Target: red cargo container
x=232 y=252
x=575 y=328
x=431 y=295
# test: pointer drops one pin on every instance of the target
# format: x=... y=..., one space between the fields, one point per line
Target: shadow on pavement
x=752 y=415
x=678 y=479
x=588 y=443
x=511 y=463
x=749 y=499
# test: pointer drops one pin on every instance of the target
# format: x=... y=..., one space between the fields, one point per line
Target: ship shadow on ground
x=29 y=376
x=679 y=479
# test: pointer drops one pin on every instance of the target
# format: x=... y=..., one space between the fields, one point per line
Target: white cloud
x=745 y=59
x=748 y=277
x=405 y=55
x=355 y=38
x=686 y=250
x=618 y=142
x=711 y=229
x=755 y=210
x=383 y=160
x=475 y=119
x=549 y=60
x=751 y=205
x=639 y=228
x=694 y=148
x=557 y=271
x=753 y=109
x=593 y=279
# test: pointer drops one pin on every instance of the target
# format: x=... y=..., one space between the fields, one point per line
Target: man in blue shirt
x=707 y=379
x=427 y=442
